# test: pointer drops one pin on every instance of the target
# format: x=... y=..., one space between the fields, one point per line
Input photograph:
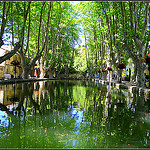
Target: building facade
x=8 y=68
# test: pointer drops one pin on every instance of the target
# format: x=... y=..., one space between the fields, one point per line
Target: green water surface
x=73 y=114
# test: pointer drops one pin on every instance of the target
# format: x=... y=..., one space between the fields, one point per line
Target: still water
x=73 y=114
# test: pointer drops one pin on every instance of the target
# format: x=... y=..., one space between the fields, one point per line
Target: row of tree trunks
x=140 y=45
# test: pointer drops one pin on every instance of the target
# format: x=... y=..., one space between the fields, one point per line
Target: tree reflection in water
x=76 y=114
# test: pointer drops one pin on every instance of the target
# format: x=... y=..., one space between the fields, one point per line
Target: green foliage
x=100 y=22
x=80 y=61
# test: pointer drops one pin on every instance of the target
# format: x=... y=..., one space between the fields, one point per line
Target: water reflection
x=4 y=119
x=73 y=114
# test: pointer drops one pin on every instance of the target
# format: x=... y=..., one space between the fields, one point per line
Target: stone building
x=7 y=68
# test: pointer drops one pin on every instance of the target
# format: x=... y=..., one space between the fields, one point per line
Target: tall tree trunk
x=4 y=20
x=39 y=50
x=137 y=40
x=25 y=67
x=86 y=51
x=25 y=73
x=42 y=73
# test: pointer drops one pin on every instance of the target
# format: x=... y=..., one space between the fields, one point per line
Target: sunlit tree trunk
x=42 y=71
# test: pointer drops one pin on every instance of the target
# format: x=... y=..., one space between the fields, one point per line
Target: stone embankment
x=33 y=79
x=124 y=84
x=12 y=81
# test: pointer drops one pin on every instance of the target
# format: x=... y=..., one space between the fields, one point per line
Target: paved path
x=124 y=84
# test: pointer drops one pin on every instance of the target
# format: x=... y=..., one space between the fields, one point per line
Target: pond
x=73 y=114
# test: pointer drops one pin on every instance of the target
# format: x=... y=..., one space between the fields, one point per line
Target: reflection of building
x=6 y=68
x=7 y=92
x=1 y=95
x=2 y=65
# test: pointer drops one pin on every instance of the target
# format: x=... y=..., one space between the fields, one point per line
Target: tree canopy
x=49 y=32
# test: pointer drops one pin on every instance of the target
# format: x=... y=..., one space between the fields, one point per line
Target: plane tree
x=43 y=31
x=26 y=18
x=135 y=31
x=40 y=41
x=95 y=33
x=7 y=21
x=128 y=32
x=63 y=35
x=119 y=30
